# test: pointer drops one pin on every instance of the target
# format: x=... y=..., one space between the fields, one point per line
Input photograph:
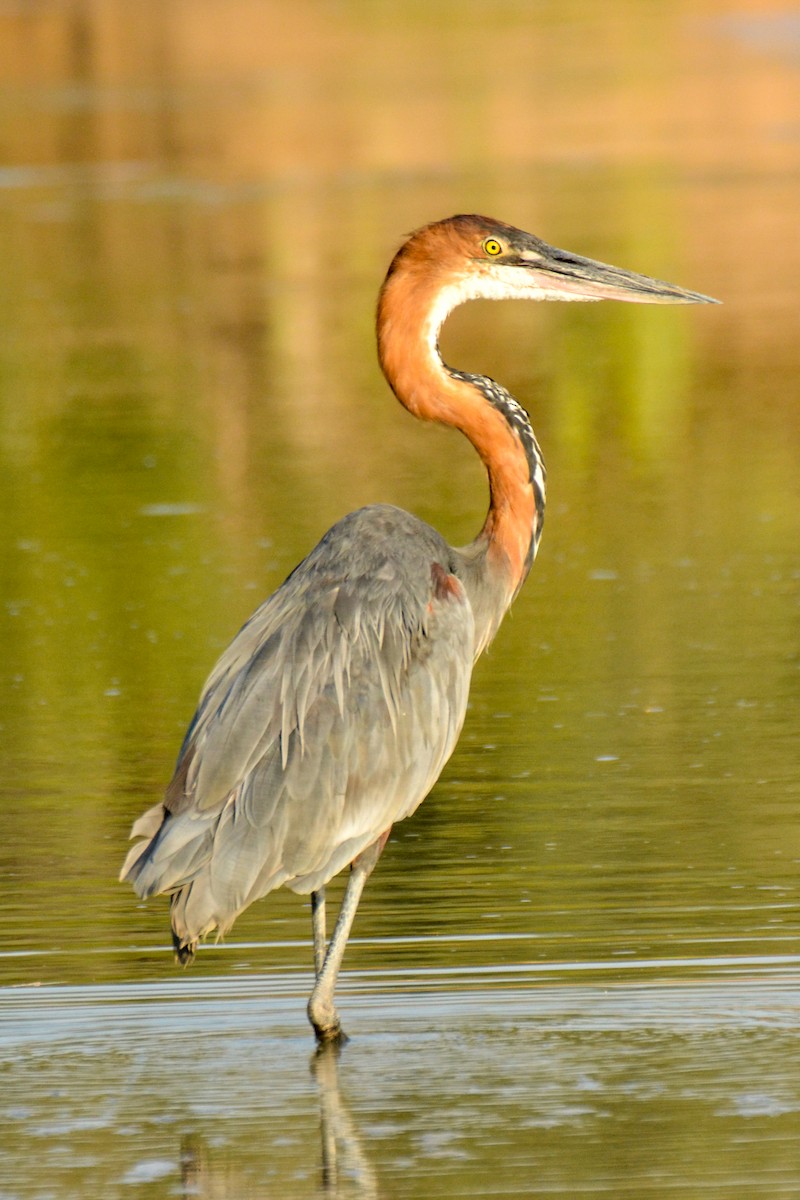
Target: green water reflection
x=627 y=777
x=195 y=214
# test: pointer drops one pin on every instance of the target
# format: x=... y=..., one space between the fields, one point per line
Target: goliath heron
x=334 y=709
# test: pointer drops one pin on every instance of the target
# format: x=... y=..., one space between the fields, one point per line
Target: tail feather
x=147 y=826
x=184 y=951
x=173 y=853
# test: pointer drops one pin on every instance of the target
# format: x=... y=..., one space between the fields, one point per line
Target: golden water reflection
x=197 y=203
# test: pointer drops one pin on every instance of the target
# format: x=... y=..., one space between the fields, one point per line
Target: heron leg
x=321 y=1009
x=319 y=925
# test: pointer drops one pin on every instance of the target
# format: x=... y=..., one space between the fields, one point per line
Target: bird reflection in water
x=343 y=1155
x=345 y=1170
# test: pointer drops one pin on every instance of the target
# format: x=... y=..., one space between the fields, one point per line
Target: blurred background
x=198 y=202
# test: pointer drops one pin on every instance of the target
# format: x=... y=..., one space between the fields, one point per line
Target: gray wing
x=328 y=718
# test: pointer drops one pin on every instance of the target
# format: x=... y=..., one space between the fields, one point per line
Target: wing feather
x=328 y=718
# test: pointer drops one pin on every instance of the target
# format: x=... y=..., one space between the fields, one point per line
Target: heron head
x=481 y=257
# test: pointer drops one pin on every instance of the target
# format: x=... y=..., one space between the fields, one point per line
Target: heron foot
x=325 y=1021
x=330 y=1039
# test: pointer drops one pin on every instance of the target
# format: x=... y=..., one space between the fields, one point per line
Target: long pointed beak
x=571 y=277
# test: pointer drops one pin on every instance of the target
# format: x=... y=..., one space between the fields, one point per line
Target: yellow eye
x=492 y=247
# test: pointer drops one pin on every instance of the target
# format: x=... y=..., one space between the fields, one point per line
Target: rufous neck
x=411 y=311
